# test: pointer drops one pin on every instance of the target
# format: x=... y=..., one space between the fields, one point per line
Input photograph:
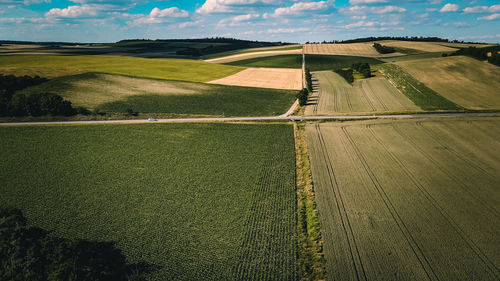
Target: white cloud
x=449 y=8
x=373 y=10
x=357 y=2
x=482 y=9
x=298 y=8
x=371 y=24
x=237 y=19
x=72 y=12
x=490 y=17
x=189 y=23
x=227 y=6
x=160 y=16
x=25 y=2
x=287 y=30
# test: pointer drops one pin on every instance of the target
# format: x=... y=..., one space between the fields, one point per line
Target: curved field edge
x=416 y=91
x=466 y=81
x=313 y=62
x=223 y=211
x=311 y=263
x=173 y=69
x=116 y=94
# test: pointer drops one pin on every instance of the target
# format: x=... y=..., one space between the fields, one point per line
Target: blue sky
x=270 y=20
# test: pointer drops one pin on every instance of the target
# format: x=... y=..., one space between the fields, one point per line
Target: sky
x=296 y=21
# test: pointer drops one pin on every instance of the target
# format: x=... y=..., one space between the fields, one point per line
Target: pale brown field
x=465 y=81
x=334 y=95
x=273 y=78
x=252 y=55
x=408 y=200
x=353 y=49
x=427 y=47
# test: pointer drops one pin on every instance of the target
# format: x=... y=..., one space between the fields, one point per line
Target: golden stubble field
x=408 y=199
x=334 y=95
x=251 y=55
x=465 y=81
x=351 y=49
x=273 y=78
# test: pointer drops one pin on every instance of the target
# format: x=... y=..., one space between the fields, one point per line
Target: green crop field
x=465 y=81
x=115 y=93
x=313 y=62
x=334 y=95
x=419 y=93
x=175 y=69
x=408 y=200
x=201 y=201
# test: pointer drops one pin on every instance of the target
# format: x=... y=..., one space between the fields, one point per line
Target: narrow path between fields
x=265 y=118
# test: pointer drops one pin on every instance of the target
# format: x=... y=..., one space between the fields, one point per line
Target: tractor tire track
x=491 y=266
x=426 y=266
x=346 y=224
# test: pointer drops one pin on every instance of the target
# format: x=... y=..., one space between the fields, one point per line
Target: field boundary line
x=340 y=207
x=434 y=202
x=426 y=266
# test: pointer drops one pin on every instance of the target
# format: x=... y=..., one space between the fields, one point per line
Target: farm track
x=264 y=118
x=404 y=174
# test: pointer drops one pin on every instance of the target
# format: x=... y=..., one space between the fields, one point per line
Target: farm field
x=424 y=47
x=313 y=62
x=223 y=211
x=465 y=81
x=276 y=78
x=254 y=54
x=408 y=199
x=334 y=95
x=351 y=49
x=116 y=93
x=174 y=69
x=252 y=50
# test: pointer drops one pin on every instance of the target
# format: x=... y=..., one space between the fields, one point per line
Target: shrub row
x=39 y=104
x=383 y=49
x=302 y=96
x=346 y=73
x=30 y=253
x=488 y=53
x=308 y=80
x=363 y=68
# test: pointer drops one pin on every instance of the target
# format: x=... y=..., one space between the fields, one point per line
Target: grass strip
x=421 y=95
x=311 y=263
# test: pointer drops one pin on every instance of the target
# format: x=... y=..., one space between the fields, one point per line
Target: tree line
x=405 y=38
x=348 y=74
x=32 y=253
x=491 y=54
x=13 y=103
x=303 y=95
x=383 y=49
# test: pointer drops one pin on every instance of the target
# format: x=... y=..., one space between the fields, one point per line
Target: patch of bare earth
x=273 y=78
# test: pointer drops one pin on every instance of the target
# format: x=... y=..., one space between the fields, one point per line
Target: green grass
x=202 y=201
x=115 y=93
x=175 y=69
x=420 y=94
x=313 y=62
x=465 y=81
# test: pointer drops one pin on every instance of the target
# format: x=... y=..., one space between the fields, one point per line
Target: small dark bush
x=302 y=96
